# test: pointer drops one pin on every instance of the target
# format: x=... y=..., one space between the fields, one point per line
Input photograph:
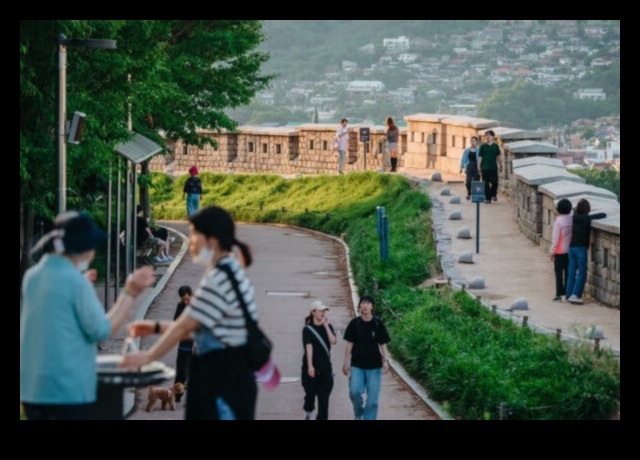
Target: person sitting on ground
x=144 y=233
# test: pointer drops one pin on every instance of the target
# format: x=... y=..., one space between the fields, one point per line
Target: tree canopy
x=172 y=76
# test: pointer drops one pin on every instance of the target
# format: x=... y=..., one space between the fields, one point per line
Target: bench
x=144 y=251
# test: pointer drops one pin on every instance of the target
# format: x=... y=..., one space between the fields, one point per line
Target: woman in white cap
x=62 y=321
x=317 y=374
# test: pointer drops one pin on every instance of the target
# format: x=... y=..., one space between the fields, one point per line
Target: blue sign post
x=477 y=197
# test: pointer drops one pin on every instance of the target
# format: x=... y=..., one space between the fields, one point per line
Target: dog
x=166 y=395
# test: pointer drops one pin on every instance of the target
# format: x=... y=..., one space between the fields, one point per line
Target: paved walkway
x=293 y=267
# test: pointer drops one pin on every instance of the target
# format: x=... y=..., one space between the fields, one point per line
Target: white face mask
x=204 y=257
x=83 y=265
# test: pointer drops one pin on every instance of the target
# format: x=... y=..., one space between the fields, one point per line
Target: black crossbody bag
x=259 y=346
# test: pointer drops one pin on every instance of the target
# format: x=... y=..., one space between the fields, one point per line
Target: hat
x=319 y=305
x=80 y=234
x=269 y=375
x=193 y=170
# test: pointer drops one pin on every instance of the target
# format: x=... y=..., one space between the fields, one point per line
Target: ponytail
x=246 y=256
x=308 y=320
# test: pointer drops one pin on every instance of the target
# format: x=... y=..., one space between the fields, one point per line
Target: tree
x=173 y=76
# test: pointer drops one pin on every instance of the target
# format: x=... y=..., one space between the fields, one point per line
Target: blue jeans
x=365 y=381
x=577 y=271
x=193 y=203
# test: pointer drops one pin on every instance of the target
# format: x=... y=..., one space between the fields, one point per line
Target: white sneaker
x=158 y=259
x=168 y=259
x=572 y=299
x=171 y=239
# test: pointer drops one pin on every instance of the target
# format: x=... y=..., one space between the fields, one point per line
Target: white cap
x=319 y=305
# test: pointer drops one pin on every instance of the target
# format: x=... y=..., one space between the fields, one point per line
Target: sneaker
x=577 y=301
x=307 y=416
x=572 y=299
x=487 y=201
x=495 y=198
x=169 y=259
x=557 y=299
x=158 y=259
x=468 y=197
x=172 y=239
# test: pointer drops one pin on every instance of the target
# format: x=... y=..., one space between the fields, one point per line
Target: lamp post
x=63 y=42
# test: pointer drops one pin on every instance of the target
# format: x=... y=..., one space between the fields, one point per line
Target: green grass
x=469 y=359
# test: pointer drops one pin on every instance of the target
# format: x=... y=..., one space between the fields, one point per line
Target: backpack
x=193 y=185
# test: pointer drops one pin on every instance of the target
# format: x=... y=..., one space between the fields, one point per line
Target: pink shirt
x=561 y=234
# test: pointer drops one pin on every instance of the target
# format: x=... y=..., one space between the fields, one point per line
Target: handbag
x=259 y=346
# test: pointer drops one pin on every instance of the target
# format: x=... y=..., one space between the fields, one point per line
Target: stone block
x=455 y=215
x=455 y=200
x=519 y=304
x=445 y=191
x=476 y=282
x=464 y=233
x=436 y=177
x=466 y=258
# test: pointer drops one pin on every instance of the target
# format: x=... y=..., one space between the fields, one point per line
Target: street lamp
x=63 y=42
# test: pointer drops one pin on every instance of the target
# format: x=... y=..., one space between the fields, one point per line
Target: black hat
x=80 y=234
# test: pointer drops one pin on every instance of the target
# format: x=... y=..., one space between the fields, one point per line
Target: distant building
x=396 y=45
x=595 y=94
x=365 y=86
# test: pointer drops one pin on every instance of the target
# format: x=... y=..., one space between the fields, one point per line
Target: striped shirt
x=216 y=307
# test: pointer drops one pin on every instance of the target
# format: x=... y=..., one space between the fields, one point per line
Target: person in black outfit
x=366 y=357
x=579 y=250
x=192 y=191
x=185 y=347
x=317 y=374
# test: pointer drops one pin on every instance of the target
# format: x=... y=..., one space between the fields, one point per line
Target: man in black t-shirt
x=366 y=356
x=317 y=374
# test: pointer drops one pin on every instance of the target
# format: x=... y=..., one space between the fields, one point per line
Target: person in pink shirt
x=559 y=251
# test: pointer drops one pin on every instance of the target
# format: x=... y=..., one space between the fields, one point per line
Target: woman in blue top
x=62 y=321
x=469 y=164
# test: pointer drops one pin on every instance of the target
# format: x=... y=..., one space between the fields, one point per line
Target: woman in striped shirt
x=222 y=386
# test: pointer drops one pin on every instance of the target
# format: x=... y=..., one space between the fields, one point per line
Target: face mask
x=204 y=257
x=83 y=265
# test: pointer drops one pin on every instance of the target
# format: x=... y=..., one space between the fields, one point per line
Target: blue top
x=61 y=322
x=465 y=157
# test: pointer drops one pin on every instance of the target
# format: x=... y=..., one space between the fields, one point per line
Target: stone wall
x=307 y=149
x=528 y=210
x=603 y=279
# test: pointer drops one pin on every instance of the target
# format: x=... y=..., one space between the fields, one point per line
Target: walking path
x=294 y=266
x=513 y=267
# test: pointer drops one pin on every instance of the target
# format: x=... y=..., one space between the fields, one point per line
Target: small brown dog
x=166 y=395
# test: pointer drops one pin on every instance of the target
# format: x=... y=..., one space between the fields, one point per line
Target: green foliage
x=469 y=359
x=608 y=179
x=172 y=76
x=531 y=106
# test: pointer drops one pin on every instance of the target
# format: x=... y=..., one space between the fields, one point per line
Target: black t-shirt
x=321 y=360
x=188 y=343
x=366 y=336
